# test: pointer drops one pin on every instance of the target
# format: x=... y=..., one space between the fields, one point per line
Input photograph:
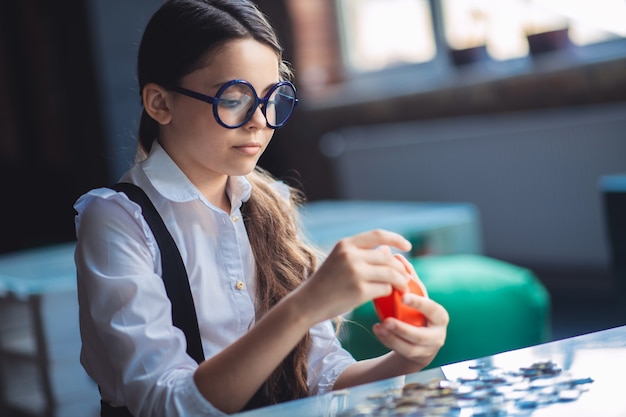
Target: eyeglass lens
x=236 y=105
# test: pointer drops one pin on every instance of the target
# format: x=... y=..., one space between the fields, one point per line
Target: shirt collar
x=172 y=183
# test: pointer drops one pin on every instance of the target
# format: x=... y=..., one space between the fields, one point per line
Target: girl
x=214 y=88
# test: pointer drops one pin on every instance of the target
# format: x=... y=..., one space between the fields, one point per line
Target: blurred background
x=515 y=106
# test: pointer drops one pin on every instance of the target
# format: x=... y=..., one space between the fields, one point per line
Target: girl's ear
x=155 y=102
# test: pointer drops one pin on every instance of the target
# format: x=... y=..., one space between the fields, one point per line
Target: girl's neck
x=215 y=192
x=212 y=185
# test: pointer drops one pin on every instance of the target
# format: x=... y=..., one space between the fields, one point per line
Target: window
x=379 y=34
x=503 y=25
x=475 y=23
x=352 y=50
x=591 y=21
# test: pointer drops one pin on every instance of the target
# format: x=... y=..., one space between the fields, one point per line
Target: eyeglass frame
x=213 y=100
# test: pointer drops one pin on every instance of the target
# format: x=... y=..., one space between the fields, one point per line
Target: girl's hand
x=358 y=269
x=417 y=345
x=412 y=347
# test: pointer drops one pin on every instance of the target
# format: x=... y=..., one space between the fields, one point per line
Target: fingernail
x=406 y=298
x=380 y=329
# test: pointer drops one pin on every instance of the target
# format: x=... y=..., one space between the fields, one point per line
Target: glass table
x=598 y=360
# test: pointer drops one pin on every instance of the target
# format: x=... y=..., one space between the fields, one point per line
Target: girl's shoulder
x=104 y=210
x=102 y=200
x=107 y=203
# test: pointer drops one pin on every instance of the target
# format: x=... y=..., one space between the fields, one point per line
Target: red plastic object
x=392 y=305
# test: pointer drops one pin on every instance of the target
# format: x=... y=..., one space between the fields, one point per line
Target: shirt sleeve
x=327 y=359
x=130 y=346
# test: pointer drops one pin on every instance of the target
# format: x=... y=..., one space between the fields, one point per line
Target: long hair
x=282 y=263
x=179 y=38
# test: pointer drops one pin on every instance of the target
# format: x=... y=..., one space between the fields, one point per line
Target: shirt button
x=235 y=218
x=240 y=285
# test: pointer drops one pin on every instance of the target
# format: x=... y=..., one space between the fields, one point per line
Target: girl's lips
x=249 y=148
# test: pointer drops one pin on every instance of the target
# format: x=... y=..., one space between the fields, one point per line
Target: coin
x=488 y=392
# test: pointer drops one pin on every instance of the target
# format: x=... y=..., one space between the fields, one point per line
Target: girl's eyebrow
x=263 y=92
x=216 y=86
x=260 y=93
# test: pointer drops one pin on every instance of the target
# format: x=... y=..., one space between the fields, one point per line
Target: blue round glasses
x=236 y=101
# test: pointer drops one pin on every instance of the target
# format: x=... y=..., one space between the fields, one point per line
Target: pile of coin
x=489 y=392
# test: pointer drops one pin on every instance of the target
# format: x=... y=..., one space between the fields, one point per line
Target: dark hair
x=182 y=34
x=179 y=38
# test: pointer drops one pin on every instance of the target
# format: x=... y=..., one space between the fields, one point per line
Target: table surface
x=38 y=271
x=600 y=356
x=327 y=221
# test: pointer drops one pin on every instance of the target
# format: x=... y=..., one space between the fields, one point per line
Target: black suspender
x=174 y=277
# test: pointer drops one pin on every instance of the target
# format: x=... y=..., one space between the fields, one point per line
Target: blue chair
x=494 y=306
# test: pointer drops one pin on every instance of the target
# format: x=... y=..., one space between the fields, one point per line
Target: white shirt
x=129 y=345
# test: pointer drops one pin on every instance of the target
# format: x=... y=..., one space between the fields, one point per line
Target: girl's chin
x=243 y=171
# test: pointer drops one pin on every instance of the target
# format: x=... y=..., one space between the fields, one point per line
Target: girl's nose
x=258 y=118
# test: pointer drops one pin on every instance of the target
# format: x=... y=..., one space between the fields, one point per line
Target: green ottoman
x=494 y=306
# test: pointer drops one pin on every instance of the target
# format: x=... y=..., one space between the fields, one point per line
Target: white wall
x=534 y=176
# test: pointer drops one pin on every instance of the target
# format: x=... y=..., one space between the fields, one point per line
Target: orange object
x=392 y=306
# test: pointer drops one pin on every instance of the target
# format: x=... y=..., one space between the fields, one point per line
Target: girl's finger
x=401 y=337
x=393 y=328
x=408 y=266
x=378 y=264
x=435 y=314
x=419 y=345
x=378 y=237
x=382 y=255
x=386 y=275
